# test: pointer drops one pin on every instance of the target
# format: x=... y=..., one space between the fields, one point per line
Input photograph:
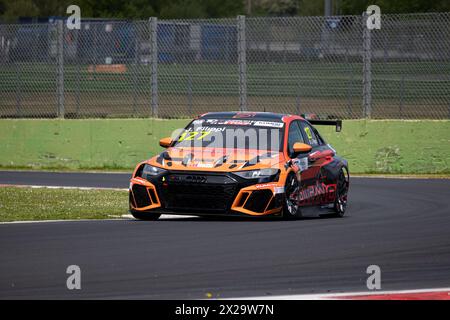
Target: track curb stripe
x=420 y=294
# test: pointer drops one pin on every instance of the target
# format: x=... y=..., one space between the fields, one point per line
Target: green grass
x=382 y=147
x=304 y=78
x=25 y=204
x=405 y=90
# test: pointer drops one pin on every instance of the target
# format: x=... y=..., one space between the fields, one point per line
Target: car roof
x=259 y=116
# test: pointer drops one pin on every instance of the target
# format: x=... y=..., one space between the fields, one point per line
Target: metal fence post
x=297 y=104
x=402 y=93
x=448 y=111
x=367 y=70
x=78 y=73
x=189 y=93
x=60 y=68
x=18 y=89
x=242 y=62
x=135 y=66
x=153 y=25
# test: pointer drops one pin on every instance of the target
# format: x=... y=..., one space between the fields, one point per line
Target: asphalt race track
x=402 y=225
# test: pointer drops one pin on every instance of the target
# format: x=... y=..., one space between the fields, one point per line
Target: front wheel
x=342 y=185
x=146 y=216
x=291 y=210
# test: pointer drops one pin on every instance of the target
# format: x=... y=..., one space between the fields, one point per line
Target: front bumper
x=206 y=193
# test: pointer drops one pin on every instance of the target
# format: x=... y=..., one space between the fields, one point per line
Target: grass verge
x=25 y=204
x=370 y=146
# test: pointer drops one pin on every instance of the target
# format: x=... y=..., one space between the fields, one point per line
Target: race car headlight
x=151 y=171
x=267 y=175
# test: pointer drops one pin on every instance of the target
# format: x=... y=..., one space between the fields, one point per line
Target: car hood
x=215 y=159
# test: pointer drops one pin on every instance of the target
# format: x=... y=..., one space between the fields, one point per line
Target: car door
x=294 y=135
x=305 y=197
x=314 y=178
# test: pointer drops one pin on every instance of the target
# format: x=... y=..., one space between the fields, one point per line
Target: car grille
x=199 y=192
x=258 y=200
x=141 y=196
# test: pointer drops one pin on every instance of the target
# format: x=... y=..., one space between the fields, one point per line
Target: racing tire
x=342 y=184
x=291 y=210
x=145 y=216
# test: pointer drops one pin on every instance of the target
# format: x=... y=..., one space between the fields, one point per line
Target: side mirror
x=165 y=142
x=300 y=147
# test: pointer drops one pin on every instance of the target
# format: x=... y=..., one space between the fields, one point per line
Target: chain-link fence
x=333 y=66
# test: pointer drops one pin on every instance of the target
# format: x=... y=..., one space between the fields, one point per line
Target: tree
x=131 y=9
x=276 y=7
x=52 y=7
x=10 y=10
x=399 y=6
x=223 y=8
x=182 y=9
x=311 y=8
x=20 y=8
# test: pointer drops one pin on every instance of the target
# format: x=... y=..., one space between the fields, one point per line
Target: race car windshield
x=233 y=134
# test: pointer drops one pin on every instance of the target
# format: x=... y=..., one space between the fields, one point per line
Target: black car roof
x=260 y=116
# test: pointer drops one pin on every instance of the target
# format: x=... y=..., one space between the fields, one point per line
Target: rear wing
x=320 y=122
x=337 y=123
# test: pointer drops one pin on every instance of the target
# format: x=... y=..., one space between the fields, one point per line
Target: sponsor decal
x=298 y=164
x=265 y=185
x=236 y=122
x=278 y=190
x=319 y=193
x=244 y=115
x=204 y=165
x=303 y=163
x=268 y=124
x=210 y=129
x=273 y=186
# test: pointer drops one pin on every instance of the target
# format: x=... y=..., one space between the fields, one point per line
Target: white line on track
x=164 y=216
x=125 y=217
x=52 y=221
x=60 y=187
x=62 y=171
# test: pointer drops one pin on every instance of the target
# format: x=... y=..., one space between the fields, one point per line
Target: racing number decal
x=312 y=139
x=308 y=133
x=190 y=135
x=204 y=134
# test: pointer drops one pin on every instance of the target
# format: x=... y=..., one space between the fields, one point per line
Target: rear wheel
x=147 y=216
x=340 y=203
x=291 y=208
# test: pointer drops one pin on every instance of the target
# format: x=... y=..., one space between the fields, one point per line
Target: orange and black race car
x=243 y=163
